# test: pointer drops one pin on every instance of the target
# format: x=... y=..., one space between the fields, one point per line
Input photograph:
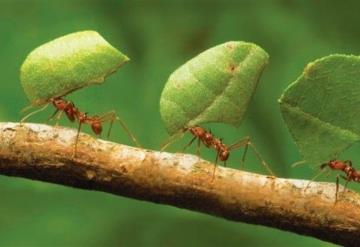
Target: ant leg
x=171 y=140
x=337 y=189
x=348 y=162
x=32 y=113
x=345 y=186
x=111 y=116
x=189 y=144
x=128 y=132
x=216 y=161
x=77 y=139
x=53 y=115
x=314 y=177
x=346 y=183
x=198 y=147
x=328 y=173
x=57 y=115
x=246 y=143
x=241 y=143
x=245 y=152
x=110 y=127
x=260 y=158
x=337 y=185
x=58 y=118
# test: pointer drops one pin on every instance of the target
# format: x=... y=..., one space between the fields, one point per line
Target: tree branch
x=44 y=153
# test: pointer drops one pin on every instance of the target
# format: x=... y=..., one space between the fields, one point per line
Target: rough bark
x=44 y=153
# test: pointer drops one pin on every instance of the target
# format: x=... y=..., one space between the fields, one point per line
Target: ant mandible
x=222 y=150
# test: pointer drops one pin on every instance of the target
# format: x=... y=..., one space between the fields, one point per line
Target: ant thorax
x=348 y=170
x=82 y=117
x=207 y=139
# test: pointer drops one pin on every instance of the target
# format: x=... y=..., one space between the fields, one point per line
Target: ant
x=347 y=168
x=73 y=113
x=222 y=150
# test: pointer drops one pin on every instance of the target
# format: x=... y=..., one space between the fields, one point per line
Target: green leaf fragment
x=321 y=108
x=215 y=86
x=68 y=63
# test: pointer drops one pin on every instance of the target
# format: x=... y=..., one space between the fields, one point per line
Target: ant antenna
x=322 y=167
x=170 y=140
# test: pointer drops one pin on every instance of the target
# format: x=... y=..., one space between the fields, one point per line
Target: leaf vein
x=310 y=116
x=222 y=94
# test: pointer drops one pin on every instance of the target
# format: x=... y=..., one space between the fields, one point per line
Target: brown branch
x=44 y=153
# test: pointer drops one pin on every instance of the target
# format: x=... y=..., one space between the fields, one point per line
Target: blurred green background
x=159 y=36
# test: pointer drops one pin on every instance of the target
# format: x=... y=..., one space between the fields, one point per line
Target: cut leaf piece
x=322 y=107
x=68 y=63
x=215 y=86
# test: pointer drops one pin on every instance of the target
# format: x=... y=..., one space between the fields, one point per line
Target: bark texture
x=44 y=153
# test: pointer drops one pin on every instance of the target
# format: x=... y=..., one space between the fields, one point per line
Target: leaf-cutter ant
x=74 y=114
x=222 y=150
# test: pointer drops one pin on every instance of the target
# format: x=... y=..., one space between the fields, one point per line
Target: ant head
x=224 y=154
x=330 y=163
x=96 y=127
x=62 y=104
x=57 y=102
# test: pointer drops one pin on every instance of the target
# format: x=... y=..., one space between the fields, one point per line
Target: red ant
x=347 y=168
x=209 y=141
x=73 y=113
x=222 y=150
